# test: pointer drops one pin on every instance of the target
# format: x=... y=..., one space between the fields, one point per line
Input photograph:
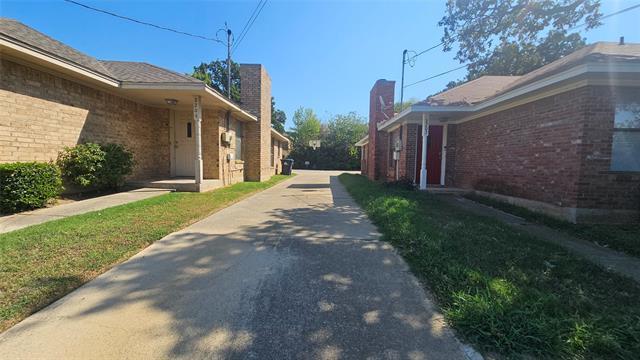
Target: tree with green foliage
x=215 y=73
x=514 y=37
x=338 y=136
x=278 y=117
x=306 y=126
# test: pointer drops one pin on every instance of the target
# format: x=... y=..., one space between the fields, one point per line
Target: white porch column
x=423 y=163
x=197 y=120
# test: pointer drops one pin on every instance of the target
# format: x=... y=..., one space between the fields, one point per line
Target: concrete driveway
x=293 y=272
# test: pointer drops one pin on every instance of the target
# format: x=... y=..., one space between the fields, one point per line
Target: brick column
x=379 y=140
x=256 y=98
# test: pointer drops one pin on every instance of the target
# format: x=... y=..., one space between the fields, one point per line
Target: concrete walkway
x=22 y=220
x=607 y=258
x=294 y=272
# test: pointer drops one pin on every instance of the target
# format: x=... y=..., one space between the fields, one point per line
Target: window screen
x=625 y=150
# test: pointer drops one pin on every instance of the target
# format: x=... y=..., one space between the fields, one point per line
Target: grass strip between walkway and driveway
x=42 y=263
x=624 y=238
x=508 y=293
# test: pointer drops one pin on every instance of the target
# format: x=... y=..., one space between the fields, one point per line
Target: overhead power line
x=249 y=23
x=144 y=22
x=463 y=66
x=244 y=28
x=435 y=76
x=412 y=58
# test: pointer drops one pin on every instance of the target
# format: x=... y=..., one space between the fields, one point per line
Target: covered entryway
x=434 y=154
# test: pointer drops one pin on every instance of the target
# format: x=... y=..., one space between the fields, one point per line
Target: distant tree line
x=337 y=137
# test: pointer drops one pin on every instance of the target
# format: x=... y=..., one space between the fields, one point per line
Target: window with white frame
x=625 y=151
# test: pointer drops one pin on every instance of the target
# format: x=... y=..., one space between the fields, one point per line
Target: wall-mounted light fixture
x=172 y=102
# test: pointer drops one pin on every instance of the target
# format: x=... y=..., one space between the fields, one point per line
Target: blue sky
x=325 y=55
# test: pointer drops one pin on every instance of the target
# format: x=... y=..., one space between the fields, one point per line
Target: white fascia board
x=276 y=134
x=197 y=87
x=230 y=104
x=397 y=120
x=362 y=142
x=542 y=83
x=41 y=55
x=128 y=85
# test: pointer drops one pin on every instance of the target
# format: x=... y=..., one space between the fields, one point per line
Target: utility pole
x=228 y=62
x=404 y=61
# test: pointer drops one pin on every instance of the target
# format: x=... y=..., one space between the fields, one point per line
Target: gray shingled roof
x=600 y=52
x=487 y=87
x=471 y=92
x=119 y=70
x=144 y=72
x=31 y=38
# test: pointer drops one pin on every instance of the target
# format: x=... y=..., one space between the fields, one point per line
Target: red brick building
x=563 y=139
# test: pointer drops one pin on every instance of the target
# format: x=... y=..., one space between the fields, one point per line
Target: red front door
x=434 y=154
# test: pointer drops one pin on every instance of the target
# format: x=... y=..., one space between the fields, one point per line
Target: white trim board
x=520 y=91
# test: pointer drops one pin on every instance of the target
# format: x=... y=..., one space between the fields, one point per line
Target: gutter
x=56 y=60
x=542 y=83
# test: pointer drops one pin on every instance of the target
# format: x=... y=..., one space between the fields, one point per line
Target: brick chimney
x=256 y=98
x=378 y=140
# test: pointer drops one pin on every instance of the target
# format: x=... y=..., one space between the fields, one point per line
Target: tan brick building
x=563 y=139
x=182 y=132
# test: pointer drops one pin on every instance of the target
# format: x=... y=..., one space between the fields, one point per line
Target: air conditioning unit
x=226 y=138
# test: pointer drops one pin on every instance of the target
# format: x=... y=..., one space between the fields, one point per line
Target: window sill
x=239 y=161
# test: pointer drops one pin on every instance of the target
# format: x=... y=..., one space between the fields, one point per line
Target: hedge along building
x=563 y=140
x=183 y=133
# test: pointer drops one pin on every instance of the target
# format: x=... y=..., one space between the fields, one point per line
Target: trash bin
x=287 y=165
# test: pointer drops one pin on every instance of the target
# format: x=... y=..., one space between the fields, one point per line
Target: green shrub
x=118 y=163
x=81 y=163
x=25 y=186
x=93 y=165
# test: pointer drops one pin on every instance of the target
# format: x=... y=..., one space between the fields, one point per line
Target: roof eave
x=421 y=109
x=35 y=52
x=362 y=142
x=570 y=73
x=280 y=136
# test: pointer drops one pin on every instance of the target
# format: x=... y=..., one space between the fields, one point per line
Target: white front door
x=184 y=144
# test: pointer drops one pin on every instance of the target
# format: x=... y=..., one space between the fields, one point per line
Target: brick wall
x=409 y=151
x=256 y=98
x=555 y=150
x=598 y=187
x=378 y=140
x=529 y=151
x=230 y=171
x=41 y=113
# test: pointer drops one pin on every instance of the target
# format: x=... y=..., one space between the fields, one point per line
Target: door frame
x=172 y=147
x=443 y=153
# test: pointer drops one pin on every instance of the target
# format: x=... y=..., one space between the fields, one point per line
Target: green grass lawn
x=624 y=238
x=504 y=291
x=41 y=263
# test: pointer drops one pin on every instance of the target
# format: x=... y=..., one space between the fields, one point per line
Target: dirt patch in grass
x=506 y=292
x=42 y=263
